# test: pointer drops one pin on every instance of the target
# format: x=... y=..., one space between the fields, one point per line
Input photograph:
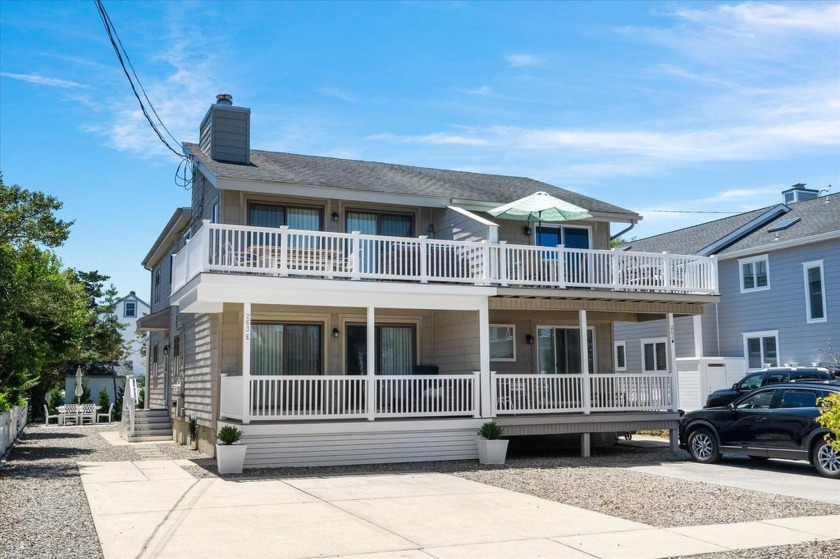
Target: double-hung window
x=755 y=273
x=130 y=309
x=762 y=349
x=654 y=355
x=814 y=291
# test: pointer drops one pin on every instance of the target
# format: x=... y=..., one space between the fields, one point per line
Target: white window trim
x=763 y=258
x=616 y=345
x=561 y=227
x=805 y=267
x=764 y=334
x=512 y=327
x=125 y=309
x=655 y=341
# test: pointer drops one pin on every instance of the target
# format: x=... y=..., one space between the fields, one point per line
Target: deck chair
x=107 y=414
x=47 y=416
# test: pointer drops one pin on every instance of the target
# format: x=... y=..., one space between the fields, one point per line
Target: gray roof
x=389 y=178
x=817 y=216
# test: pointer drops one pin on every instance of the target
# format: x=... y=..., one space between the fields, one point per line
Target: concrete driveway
x=779 y=477
x=156 y=509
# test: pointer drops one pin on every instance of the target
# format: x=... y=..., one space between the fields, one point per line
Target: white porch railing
x=130 y=399
x=12 y=423
x=319 y=397
x=287 y=252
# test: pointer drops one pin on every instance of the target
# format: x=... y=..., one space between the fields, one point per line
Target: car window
x=777 y=377
x=798 y=399
x=751 y=382
x=809 y=374
x=760 y=400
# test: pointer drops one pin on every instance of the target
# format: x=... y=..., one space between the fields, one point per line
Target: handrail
x=130 y=397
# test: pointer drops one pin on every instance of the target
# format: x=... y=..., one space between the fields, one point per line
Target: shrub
x=490 y=431
x=103 y=400
x=193 y=428
x=830 y=418
x=229 y=434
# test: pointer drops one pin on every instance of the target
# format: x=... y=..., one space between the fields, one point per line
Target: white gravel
x=46 y=514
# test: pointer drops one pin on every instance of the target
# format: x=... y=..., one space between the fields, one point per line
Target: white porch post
x=584 y=363
x=672 y=362
x=246 y=363
x=484 y=360
x=371 y=364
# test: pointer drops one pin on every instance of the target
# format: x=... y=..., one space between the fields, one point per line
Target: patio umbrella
x=79 y=388
x=540 y=206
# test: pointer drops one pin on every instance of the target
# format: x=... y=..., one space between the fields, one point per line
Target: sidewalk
x=156 y=509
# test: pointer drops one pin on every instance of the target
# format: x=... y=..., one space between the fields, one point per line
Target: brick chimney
x=225 y=132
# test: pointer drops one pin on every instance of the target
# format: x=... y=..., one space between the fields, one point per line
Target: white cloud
x=482 y=90
x=761 y=17
x=333 y=92
x=523 y=60
x=440 y=138
x=42 y=80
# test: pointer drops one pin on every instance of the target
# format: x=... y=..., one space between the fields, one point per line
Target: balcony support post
x=246 y=363
x=672 y=362
x=370 y=399
x=584 y=363
x=424 y=259
x=284 y=250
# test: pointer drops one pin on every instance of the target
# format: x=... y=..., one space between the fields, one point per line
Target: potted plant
x=230 y=457
x=192 y=431
x=492 y=449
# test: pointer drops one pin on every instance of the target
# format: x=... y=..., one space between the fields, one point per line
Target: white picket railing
x=318 y=397
x=287 y=252
x=130 y=399
x=12 y=423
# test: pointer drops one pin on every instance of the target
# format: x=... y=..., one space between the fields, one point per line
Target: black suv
x=763 y=378
x=777 y=421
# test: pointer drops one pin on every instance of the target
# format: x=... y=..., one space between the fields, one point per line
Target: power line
x=181 y=177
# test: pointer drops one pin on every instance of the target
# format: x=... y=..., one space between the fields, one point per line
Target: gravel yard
x=46 y=512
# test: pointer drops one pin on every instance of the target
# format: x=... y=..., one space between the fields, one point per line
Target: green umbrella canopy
x=540 y=206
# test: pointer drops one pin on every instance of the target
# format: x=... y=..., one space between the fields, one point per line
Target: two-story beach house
x=779 y=301
x=342 y=311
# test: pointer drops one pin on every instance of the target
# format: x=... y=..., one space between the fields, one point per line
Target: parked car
x=777 y=421
x=763 y=378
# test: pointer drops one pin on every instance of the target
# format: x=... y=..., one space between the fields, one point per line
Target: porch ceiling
x=208 y=292
x=595 y=301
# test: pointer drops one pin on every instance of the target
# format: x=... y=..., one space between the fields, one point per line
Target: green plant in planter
x=490 y=431
x=229 y=434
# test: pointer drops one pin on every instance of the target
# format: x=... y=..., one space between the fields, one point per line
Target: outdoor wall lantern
x=336 y=333
x=527 y=230
x=335 y=216
x=430 y=231
x=529 y=338
x=166 y=349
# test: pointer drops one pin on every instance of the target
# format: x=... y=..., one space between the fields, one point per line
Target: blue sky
x=677 y=106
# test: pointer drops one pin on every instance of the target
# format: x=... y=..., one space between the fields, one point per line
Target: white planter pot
x=492 y=452
x=230 y=458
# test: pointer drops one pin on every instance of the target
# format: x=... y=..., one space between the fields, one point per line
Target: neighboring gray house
x=779 y=272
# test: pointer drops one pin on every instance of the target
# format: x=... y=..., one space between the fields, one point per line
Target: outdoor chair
x=108 y=414
x=88 y=411
x=47 y=416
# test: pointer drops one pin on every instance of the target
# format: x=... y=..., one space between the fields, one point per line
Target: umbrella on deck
x=79 y=388
x=540 y=206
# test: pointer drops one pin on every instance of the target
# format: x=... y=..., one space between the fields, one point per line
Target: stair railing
x=129 y=405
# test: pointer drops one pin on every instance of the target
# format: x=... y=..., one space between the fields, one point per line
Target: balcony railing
x=288 y=252
x=324 y=397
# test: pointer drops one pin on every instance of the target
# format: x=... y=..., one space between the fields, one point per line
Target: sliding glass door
x=559 y=350
x=286 y=349
x=394 y=349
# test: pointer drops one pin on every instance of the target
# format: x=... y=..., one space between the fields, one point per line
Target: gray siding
x=154 y=379
x=452 y=225
x=456 y=341
x=199 y=379
x=632 y=333
x=782 y=307
x=225 y=134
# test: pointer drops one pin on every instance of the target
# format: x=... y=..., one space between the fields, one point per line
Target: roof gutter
x=625 y=230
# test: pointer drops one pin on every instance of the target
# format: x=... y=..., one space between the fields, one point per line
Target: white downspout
x=246 y=363
x=371 y=363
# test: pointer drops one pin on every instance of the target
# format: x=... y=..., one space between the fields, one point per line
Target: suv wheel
x=703 y=447
x=826 y=459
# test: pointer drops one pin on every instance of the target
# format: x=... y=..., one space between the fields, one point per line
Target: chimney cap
x=224 y=99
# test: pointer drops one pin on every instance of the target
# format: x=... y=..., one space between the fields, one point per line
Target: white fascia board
x=213 y=290
x=792 y=243
x=179 y=220
x=331 y=193
x=473 y=216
